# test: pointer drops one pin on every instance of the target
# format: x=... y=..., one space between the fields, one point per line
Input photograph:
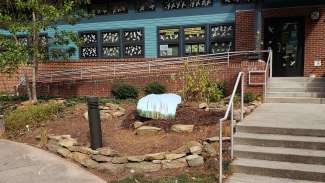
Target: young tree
x=31 y=18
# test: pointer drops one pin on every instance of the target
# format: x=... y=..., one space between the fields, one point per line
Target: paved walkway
x=20 y=163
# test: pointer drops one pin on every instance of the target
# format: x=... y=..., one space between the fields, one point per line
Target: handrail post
x=242 y=98
x=149 y=68
x=220 y=151
x=81 y=74
x=232 y=131
x=228 y=58
x=271 y=63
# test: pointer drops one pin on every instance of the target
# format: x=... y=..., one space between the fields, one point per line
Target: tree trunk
x=34 y=59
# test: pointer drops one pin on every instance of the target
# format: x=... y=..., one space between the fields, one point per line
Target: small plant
x=27 y=117
x=249 y=97
x=215 y=92
x=124 y=91
x=154 y=88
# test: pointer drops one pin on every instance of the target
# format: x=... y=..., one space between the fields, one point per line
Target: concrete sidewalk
x=20 y=163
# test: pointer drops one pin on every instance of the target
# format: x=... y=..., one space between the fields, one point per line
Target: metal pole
x=232 y=131
x=271 y=63
x=242 y=98
x=94 y=123
x=220 y=152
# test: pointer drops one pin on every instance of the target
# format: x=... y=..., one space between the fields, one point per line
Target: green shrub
x=249 y=97
x=124 y=91
x=154 y=88
x=33 y=115
x=215 y=92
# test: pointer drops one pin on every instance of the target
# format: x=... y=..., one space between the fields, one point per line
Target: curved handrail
x=230 y=108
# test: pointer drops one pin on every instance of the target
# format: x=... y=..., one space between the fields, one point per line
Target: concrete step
x=297 y=79
x=279 y=169
x=296 y=94
x=246 y=178
x=295 y=84
x=253 y=127
x=276 y=140
x=306 y=100
x=280 y=154
x=297 y=89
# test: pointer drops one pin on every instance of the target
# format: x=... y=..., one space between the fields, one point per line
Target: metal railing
x=230 y=109
x=267 y=72
x=118 y=70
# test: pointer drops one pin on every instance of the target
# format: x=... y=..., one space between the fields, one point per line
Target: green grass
x=33 y=115
x=179 y=179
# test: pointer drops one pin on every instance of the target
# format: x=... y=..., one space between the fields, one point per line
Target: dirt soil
x=188 y=113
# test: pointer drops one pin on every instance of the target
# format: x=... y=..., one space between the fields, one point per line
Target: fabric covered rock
x=162 y=106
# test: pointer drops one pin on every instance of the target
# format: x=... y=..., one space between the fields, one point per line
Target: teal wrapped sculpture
x=162 y=106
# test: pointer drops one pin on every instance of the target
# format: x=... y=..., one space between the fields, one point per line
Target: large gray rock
x=179 y=128
x=64 y=152
x=111 y=168
x=107 y=151
x=194 y=160
x=84 y=160
x=67 y=142
x=209 y=150
x=147 y=130
x=143 y=167
x=136 y=158
x=196 y=149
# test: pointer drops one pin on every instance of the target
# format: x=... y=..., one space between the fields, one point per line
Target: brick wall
x=314 y=34
x=173 y=80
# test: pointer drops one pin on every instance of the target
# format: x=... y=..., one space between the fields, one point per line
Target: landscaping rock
x=86 y=116
x=106 y=151
x=216 y=139
x=203 y=105
x=181 y=150
x=112 y=106
x=64 y=152
x=196 y=149
x=156 y=161
x=237 y=115
x=137 y=124
x=182 y=128
x=144 y=167
x=155 y=156
x=136 y=158
x=105 y=116
x=147 y=130
x=118 y=114
x=52 y=147
x=111 y=168
x=101 y=158
x=82 y=149
x=194 y=160
x=67 y=142
x=208 y=148
x=172 y=164
x=84 y=160
x=119 y=160
x=174 y=156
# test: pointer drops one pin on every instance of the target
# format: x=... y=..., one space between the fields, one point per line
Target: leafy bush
x=215 y=92
x=154 y=88
x=124 y=91
x=33 y=115
x=249 y=97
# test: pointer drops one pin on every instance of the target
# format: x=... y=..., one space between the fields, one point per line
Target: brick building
x=142 y=30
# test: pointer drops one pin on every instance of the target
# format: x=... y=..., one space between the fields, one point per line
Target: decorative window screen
x=222 y=38
x=90 y=46
x=180 y=4
x=118 y=7
x=110 y=44
x=168 y=42
x=145 y=5
x=133 y=43
x=237 y=1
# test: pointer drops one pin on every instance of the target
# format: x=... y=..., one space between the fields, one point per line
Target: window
x=110 y=44
x=194 y=40
x=145 y=5
x=99 y=7
x=133 y=43
x=118 y=7
x=90 y=47
x=221 y=38
x=169 y=42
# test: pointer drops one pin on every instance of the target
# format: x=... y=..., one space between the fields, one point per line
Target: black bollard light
x=94 y=123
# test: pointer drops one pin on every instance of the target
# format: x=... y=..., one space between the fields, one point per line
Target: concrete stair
x=276 y=145
x=296 y=90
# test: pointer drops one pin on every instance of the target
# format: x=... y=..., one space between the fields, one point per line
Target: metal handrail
x=230 y=108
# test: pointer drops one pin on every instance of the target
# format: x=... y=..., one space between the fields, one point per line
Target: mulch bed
x=188 y=114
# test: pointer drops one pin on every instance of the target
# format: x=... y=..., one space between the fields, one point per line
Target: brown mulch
x=188 y=114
